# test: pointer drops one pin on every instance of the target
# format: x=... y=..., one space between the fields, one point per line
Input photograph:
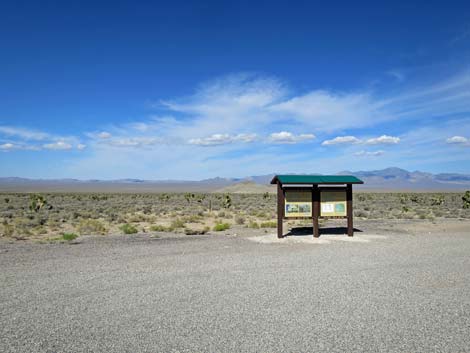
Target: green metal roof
x=316 y=179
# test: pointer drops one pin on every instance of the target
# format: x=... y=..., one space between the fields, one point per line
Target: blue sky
x=191 y=90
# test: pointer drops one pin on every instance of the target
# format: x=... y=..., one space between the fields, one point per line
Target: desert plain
x=205 y=272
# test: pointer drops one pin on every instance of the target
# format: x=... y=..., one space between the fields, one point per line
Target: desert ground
x=86 y=272
x=396 y=286
x=48 y=216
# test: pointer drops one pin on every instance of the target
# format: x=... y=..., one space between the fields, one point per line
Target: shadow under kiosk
x=314 y=197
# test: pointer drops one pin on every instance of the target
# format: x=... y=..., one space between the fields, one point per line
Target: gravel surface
x=400 y=292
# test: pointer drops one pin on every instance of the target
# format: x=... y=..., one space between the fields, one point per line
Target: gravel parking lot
x=404 y=291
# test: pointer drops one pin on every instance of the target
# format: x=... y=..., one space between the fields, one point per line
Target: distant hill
x=401 y=179
x=392 y=179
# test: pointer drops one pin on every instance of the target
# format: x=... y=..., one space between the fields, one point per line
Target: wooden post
x=316 y=210
x=280 y=209
x=349 y=209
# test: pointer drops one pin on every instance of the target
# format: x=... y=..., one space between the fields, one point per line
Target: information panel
x=333 y=203
x=298 y=203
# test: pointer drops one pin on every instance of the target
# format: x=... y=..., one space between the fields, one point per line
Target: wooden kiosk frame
x=317 y=185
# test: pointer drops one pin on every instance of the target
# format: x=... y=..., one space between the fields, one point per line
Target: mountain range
x=392 y=179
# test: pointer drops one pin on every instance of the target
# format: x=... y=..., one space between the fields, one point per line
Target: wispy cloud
x=369 y=153
x=23 y=133
x=328 y=111
x=214 y=140
x=252 y=117
x=398 y=75
x=222 y=139
x=104 y=135
x=349 y=140
x=22 y=139
x=7 y=147
x=57 y=146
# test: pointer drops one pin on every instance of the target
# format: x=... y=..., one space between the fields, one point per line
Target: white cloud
x=7 y=147
x=18 y=147
x=349 y=140
x=57 y=146
x=104 y=135
x=289 y=137
x=384 y=139
x=369 y=153
x=214 y=140
x=222 y=139
x=458 y=140
x=340 y=140
x=33 y=140
x=81 y=146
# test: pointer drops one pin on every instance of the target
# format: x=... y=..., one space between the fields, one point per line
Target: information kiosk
x=314 y=197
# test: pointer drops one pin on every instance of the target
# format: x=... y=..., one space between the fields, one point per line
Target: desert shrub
x=270 y=224
x=221 y=214
x=192 y=219
x=147 y=210
x=91 y=226
x=221 y=227
x=189 y=231
x=239 y=220
x=137 y=217
x=69 y=236
x=360 y=213
x=158 y=228
x=7 y=230
x=253 y=225
x=128 y=229
x=177 y=223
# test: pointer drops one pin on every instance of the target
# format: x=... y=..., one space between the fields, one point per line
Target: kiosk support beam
x=316 y=210
x=349 y=209
x=280 y=209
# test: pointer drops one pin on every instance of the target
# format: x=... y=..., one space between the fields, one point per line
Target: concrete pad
x=309 y=239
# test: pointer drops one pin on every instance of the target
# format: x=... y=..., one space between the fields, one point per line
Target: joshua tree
x=189 y=196
x=466 y=199
x=164 y=197
x=37 y=202
x=227 y=201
